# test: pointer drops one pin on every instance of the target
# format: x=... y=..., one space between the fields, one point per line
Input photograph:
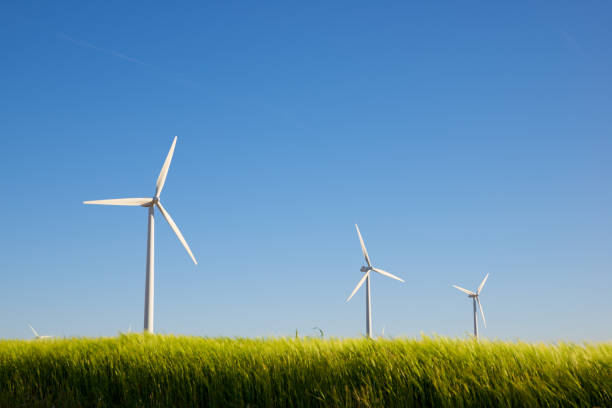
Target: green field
x=167 y=371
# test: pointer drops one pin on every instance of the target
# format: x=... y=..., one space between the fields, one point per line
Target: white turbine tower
x=38 y=337
x=151 y=203
x=366 y=277
x=475 y=299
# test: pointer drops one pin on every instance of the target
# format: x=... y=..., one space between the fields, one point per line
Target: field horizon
x=166 y=370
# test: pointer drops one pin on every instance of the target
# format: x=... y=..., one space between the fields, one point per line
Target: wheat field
x=138 y=370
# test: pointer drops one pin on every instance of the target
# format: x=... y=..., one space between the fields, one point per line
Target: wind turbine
x=38 y=337
x=151 y=203
x=475 y=299
x=366 y=277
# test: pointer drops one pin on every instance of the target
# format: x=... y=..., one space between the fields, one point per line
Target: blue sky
x=463 y=138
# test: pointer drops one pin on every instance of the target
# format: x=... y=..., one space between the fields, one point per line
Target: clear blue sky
x=464 y=138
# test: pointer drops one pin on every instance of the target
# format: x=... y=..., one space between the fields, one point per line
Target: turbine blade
x=387 y=274
x=176 y=230
x=481 y=312
x=33 y=331
x=161 y=179
x=469 y=292
x=363 y=248
x=122 y=201
x=359 y=285
x=482 y=284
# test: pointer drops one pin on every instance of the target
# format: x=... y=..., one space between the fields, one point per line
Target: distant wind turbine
x=38 y=337
x=151 y=203
x=475 y=299
x=366 y=277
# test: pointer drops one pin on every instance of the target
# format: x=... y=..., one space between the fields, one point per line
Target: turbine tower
x=151 y=203
x=475 y=299
x=366 y=277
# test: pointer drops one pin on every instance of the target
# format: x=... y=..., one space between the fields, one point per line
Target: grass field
x=155 y=371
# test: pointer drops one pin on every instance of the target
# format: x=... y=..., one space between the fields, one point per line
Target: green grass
x=159 y=371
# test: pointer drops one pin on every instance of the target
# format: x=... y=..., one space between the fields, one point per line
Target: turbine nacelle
x=154 y=200
x=365 y=269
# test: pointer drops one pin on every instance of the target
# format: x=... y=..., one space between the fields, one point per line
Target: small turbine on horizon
x=151 y=203
x=38 y=337
x=366 y=277
x=475 y=299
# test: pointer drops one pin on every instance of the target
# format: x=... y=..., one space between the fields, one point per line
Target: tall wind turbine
x=475 y=299
x=366 y=277
x=151 y=203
